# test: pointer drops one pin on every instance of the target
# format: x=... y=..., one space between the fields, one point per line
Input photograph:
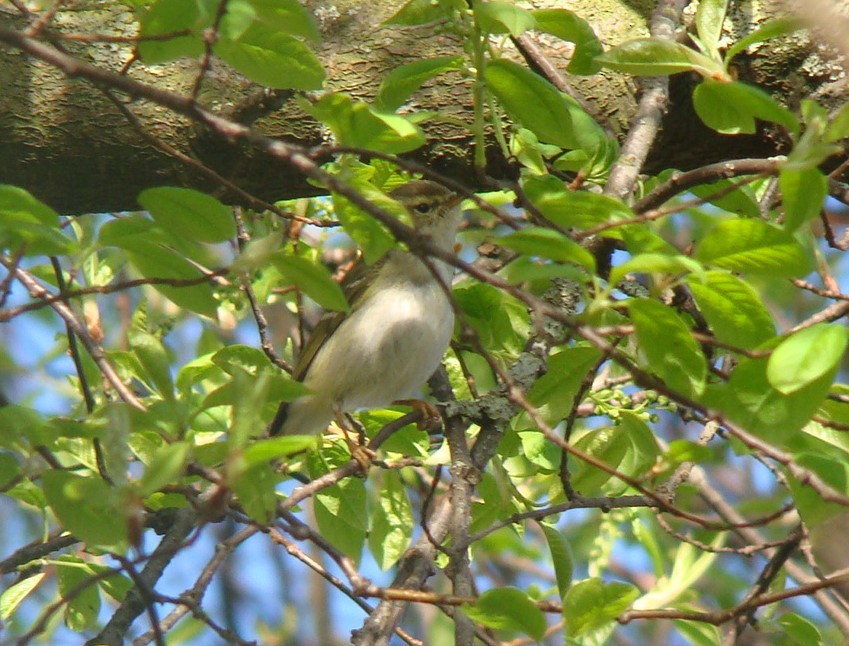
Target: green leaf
x=370 y=235
x=643 y=449
x=561 y=557
x=86 y=506
x=742 y=200
x=709 y=18
x=573 y=209
x=9 y=468
x=154 y=358
x=803 y=195
x=12 y=596
x=655 y=263
x=241 y=358
x=502 y=18
x=170 y=17
x=266 y=450
x=422 y=12
x=280 y=388
x=84 y=604
x=22 y=427
x=750 y=400
x=165 y=467
x=806 y=355
x=354 y=124
x=288 y=16
x=313 y=279
x=14 y=199
x=273 y=59
x=766 y=31
x=732 y=308
x=154 y=261
x=255 y=488
x=24 y=220
x=508 y=608
x=607 y=445
x=800 y=630
x=732 y=107
x=838 y=128
x=651 y=57
x=397 y=86
x=591 y=604
x=668 y=346
x=570 y=27
x=532 y=101
x=554 y=393
x=500 y=320
x=391 y=522
x=340 y=511
x=127 y=232
x=548 y=243
x=753 y=246
x=188 y=213
x=814 y=511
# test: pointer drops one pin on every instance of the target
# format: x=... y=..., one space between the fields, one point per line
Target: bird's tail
x=307 y=415
x=276 y=425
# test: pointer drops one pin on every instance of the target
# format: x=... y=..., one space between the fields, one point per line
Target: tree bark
x=67 y=143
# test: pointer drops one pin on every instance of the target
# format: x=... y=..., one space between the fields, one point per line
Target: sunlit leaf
x=752 y=246
x=806 y=356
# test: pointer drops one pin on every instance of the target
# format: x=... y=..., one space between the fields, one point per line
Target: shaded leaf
x=165 y=467
x=86 y=507
x=561 y=557
x=768 y=30
x=397 y=86
x=668 y=346
x=313 y=279
x=508 y=608
x=803 y=195
x=732 y=107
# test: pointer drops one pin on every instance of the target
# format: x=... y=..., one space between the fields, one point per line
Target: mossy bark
x=66 y=142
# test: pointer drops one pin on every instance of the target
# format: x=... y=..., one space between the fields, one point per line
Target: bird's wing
x=354 y=285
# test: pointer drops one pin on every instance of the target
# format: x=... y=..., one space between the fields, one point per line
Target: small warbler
x=397 y=329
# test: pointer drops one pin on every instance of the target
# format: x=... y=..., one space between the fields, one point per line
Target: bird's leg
x=431 y=419
x=359 y=451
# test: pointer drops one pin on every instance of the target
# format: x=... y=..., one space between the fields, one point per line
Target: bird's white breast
x=387 y=348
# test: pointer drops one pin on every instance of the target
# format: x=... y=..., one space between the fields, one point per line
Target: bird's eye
x=422 y=208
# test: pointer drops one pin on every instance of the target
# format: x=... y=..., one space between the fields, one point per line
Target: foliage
x=629 y=424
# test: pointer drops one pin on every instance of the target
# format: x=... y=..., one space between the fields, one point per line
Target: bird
x=396 y=331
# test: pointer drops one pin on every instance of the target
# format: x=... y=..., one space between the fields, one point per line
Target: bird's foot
x=431 y=419
x=360 y=453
